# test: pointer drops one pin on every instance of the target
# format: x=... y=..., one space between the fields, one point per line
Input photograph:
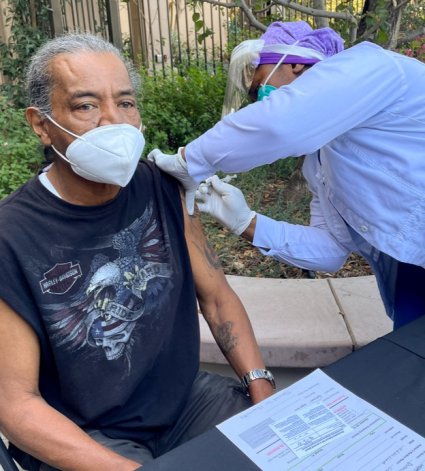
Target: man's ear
x=39 y=124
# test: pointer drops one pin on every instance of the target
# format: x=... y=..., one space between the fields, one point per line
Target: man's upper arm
x=19 y=359
x=208 y=275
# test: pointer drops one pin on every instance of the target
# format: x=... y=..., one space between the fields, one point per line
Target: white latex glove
x=226 y=203
x=176 y=166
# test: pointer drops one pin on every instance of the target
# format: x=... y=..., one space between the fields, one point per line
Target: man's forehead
x=70 y=70
x=76 y=59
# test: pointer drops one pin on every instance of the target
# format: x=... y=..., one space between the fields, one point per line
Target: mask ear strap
x=274 y=69
x=61 y=155
x=277 y=65
x=61 y=127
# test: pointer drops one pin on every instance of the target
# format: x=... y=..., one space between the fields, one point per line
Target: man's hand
x=225 y=203
x=176 y=166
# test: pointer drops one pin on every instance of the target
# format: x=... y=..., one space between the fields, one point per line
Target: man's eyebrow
x=128 y=91
x=87 y=93
x=84 y=93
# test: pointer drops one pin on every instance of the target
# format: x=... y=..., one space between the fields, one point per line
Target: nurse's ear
x=38 y=123
x=298 y=69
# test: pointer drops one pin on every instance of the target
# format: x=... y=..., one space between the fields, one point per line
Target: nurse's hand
x=176 y=166
x=226 y=203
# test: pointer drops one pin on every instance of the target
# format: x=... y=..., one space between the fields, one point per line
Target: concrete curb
x=303 y=323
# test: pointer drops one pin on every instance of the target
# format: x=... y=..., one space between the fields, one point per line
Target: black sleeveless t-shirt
x=109 y=292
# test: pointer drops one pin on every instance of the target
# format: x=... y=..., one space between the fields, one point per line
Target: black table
x=389 y=373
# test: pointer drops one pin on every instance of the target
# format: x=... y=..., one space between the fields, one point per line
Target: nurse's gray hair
x=39 y=80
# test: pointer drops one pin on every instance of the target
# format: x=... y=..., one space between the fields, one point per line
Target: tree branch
x=369 y=32
x=244 y=7
x=313 y=12
x=222 y=4
x=248 y=12
x=285 y=3
x=401 y=4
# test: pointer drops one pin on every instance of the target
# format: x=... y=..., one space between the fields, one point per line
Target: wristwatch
x=257 y=374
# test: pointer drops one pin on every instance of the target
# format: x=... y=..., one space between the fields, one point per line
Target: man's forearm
x=41 y=431
x=234 y=335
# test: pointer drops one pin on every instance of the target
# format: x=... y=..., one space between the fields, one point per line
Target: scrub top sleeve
x=326 y=101
x=199 y=169
x=305 y=247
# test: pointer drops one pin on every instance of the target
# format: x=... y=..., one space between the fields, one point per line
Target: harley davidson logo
x=61 y=278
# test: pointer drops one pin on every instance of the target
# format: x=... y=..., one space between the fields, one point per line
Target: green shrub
x=414 y=48
x=177 y=109
x=20 y=149
x=24 y=39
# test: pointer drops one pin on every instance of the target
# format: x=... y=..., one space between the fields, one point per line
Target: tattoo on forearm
x=225 y=339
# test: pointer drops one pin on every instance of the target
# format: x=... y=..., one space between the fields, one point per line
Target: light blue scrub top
x=364 y=109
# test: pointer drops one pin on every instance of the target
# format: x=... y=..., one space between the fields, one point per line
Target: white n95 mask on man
x=106 y=154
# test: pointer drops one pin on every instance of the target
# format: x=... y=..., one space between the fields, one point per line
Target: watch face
x=259 y=374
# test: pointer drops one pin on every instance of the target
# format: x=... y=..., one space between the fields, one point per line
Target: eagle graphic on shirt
x=116 y=293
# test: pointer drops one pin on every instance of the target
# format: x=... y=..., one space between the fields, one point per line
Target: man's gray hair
x=39 y=80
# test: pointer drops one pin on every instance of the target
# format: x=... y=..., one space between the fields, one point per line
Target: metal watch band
x=257 y=374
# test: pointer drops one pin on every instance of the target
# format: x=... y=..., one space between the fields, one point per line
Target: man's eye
x=85 y=107
x=127 y=104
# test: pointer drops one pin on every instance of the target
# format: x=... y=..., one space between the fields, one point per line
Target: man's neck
x=77 y=190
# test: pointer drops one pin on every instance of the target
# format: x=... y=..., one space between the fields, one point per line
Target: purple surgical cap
x=324 y=40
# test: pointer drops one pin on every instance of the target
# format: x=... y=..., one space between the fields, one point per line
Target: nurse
x=358 y=115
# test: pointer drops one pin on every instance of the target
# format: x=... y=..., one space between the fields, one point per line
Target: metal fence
x=167 y=35
x=97 y=16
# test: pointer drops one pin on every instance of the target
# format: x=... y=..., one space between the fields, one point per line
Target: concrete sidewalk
x=302 y=324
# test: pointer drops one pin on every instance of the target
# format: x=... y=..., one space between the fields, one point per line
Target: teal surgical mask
x=265 y=90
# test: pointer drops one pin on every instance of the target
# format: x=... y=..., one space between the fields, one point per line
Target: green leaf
x=204 y=35
x=382 y=37
x=199 y=25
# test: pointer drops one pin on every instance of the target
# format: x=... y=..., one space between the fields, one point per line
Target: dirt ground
x=239 y=257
